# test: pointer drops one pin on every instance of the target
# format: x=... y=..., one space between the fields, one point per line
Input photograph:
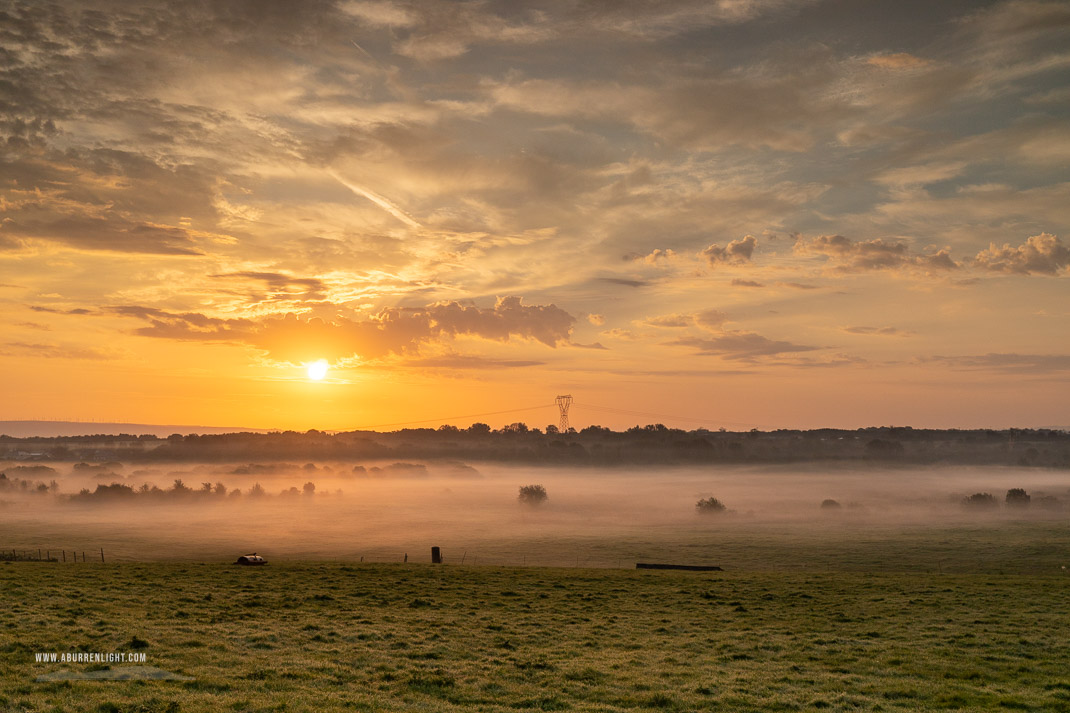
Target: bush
x=710 y=506
x=830 y=504
x=1016 y=497
x=980 y=500
x=532 y=495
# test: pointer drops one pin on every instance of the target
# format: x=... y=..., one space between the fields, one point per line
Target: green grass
x=330 y=636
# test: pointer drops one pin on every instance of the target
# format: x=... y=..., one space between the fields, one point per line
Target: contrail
x=377 y=200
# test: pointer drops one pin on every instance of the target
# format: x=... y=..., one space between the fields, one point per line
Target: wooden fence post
x=102 y=555
x=64 y=555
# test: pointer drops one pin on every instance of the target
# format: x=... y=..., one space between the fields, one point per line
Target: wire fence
x=50 y=555
x=465 y=557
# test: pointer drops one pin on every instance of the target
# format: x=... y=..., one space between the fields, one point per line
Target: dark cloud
x=652 y=257
x=398 y=331
x=108 y=233
x=743 y=346
x=711 y=319
x=798 y=285
x=623 y=281
x=1024 y=364
x=880 y=331
x=746 y=283
x=736 y=252
x=1042 y=254
x=282 y=287
x=188 y=326
x=53 y=310
x=670 y=320
x=846 y=255
x=53 y=351
x=469 y=361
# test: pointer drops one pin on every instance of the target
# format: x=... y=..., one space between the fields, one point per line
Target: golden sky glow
x=771 y=213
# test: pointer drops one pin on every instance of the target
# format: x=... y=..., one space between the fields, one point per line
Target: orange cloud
x=1044 y=254
x=396 y=331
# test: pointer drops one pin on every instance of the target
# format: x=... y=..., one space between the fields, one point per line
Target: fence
x=43 y=555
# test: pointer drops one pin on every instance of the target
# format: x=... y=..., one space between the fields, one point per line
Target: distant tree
x=447 y=428
x=179 y=488
x=551 y=430
x=981 y=501
x=206 y=488
x=830 y=504
x=1049 y=502
x=309 y=488
x=518 y=427
x=220 y=489
x=1017 y=498
x=257 y=490
x=532 y=495
x=710 y=506
x=882 y=448
x=479 y=428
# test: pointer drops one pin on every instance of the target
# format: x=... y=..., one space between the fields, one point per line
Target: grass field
x=905 y=602
x=331 y=636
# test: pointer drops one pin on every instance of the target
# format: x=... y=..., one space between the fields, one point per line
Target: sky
x=728 y=213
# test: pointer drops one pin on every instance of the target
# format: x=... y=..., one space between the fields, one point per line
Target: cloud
x=746 y=283
x=596 y=319
x=1042 y=254
x=880 y=331
x=845 y=255
x=398 y=331
x=898 y=60
x=282 y=287
x=623 y=281
x=653 y=257
x=469 y=361
x=380 y=14
x=1024 y=364
x=55 y=351
x=617 y=333
x=736 y=252
x=742 y=346
x=711 y=319
x=53 y=310
x=107 y=232
x=187 y=326
x=669 y=320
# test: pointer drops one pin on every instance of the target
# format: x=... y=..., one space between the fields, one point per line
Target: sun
x=317 y=370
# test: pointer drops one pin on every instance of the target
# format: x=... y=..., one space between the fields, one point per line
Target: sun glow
x=317 y=370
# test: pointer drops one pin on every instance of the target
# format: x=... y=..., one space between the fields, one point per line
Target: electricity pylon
x=563 y=402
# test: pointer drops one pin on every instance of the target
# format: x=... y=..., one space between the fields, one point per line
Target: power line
x=608 y=409
x=585 y=406
x=452 y=418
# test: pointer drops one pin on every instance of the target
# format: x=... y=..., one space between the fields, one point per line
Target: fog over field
x=593 y=517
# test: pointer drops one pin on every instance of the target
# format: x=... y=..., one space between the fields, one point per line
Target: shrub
x=980 y=500
x=1016 y=497
x=710 y=506
x=830 y=504
x=532 y=495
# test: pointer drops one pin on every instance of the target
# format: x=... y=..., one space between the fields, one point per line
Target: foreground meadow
x=325 y=636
